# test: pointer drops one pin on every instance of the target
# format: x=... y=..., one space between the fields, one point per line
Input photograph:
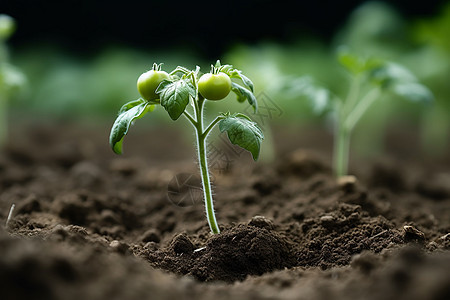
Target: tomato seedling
x=370 y=79
x=174 y=91
x=11 y=79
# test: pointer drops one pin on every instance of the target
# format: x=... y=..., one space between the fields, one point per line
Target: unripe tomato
x=214 y=86
x=148 y=82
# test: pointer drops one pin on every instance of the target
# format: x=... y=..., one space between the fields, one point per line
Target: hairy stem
x=201 y=136
x=211 y=126
x=189 y=117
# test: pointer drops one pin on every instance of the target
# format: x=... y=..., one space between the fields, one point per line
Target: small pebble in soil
x=326 y=219
x=119 y=246
x=412 y=234
x=444 y=241
x=347 y=183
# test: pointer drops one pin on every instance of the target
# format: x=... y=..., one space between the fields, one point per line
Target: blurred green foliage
x=432 y=62
x=12 y=81
x=63 y=85
x=68 y=86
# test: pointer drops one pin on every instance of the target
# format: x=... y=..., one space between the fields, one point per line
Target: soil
x=91 y=225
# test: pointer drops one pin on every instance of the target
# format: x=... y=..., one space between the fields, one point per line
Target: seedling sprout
x=370 y=80
x=175 y=91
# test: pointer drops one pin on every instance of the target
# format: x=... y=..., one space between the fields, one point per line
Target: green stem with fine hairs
x=201 y=136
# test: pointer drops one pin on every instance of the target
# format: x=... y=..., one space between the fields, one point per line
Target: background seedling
x=175 y=91
x=432 y=62
x=11 y=79
x=370 y=79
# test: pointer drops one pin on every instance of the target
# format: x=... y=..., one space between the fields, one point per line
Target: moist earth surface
x=91 y=225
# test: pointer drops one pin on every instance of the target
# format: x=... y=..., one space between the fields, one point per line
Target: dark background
x=206 y=27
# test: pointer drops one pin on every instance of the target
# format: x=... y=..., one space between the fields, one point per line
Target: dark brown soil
x=91 y=225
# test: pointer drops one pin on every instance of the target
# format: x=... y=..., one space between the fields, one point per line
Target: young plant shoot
x=175 y=91
x=370 y=79
x=11 y=79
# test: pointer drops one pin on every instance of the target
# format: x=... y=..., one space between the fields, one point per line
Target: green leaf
x=175 y=95
x=319 y=97
x=128 y=113
x=12 y=80
x=351 y=62
x=401 y=81
x=391 y=73
x=130 y=105
x=238 y=74
x=243 y=132
x=356 y=64
x=413 y=91
x=243 y=94
x=235 y=73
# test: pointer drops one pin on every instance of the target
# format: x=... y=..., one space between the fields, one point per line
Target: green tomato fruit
x=148 y=82
x=214 y=86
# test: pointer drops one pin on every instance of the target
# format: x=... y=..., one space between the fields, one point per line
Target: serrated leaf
x=128 y=113
x=175 y=95
x=243 y=132
x=243 y=94
x=413 y=91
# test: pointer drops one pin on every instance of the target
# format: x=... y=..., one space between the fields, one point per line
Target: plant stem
x=189 y=117
x=342 y=134
x=341 y=150
x=211 y=126
x=209 y=206
x=347 y=119
x=352 y=96
x=202 y=159
x=362 y=106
